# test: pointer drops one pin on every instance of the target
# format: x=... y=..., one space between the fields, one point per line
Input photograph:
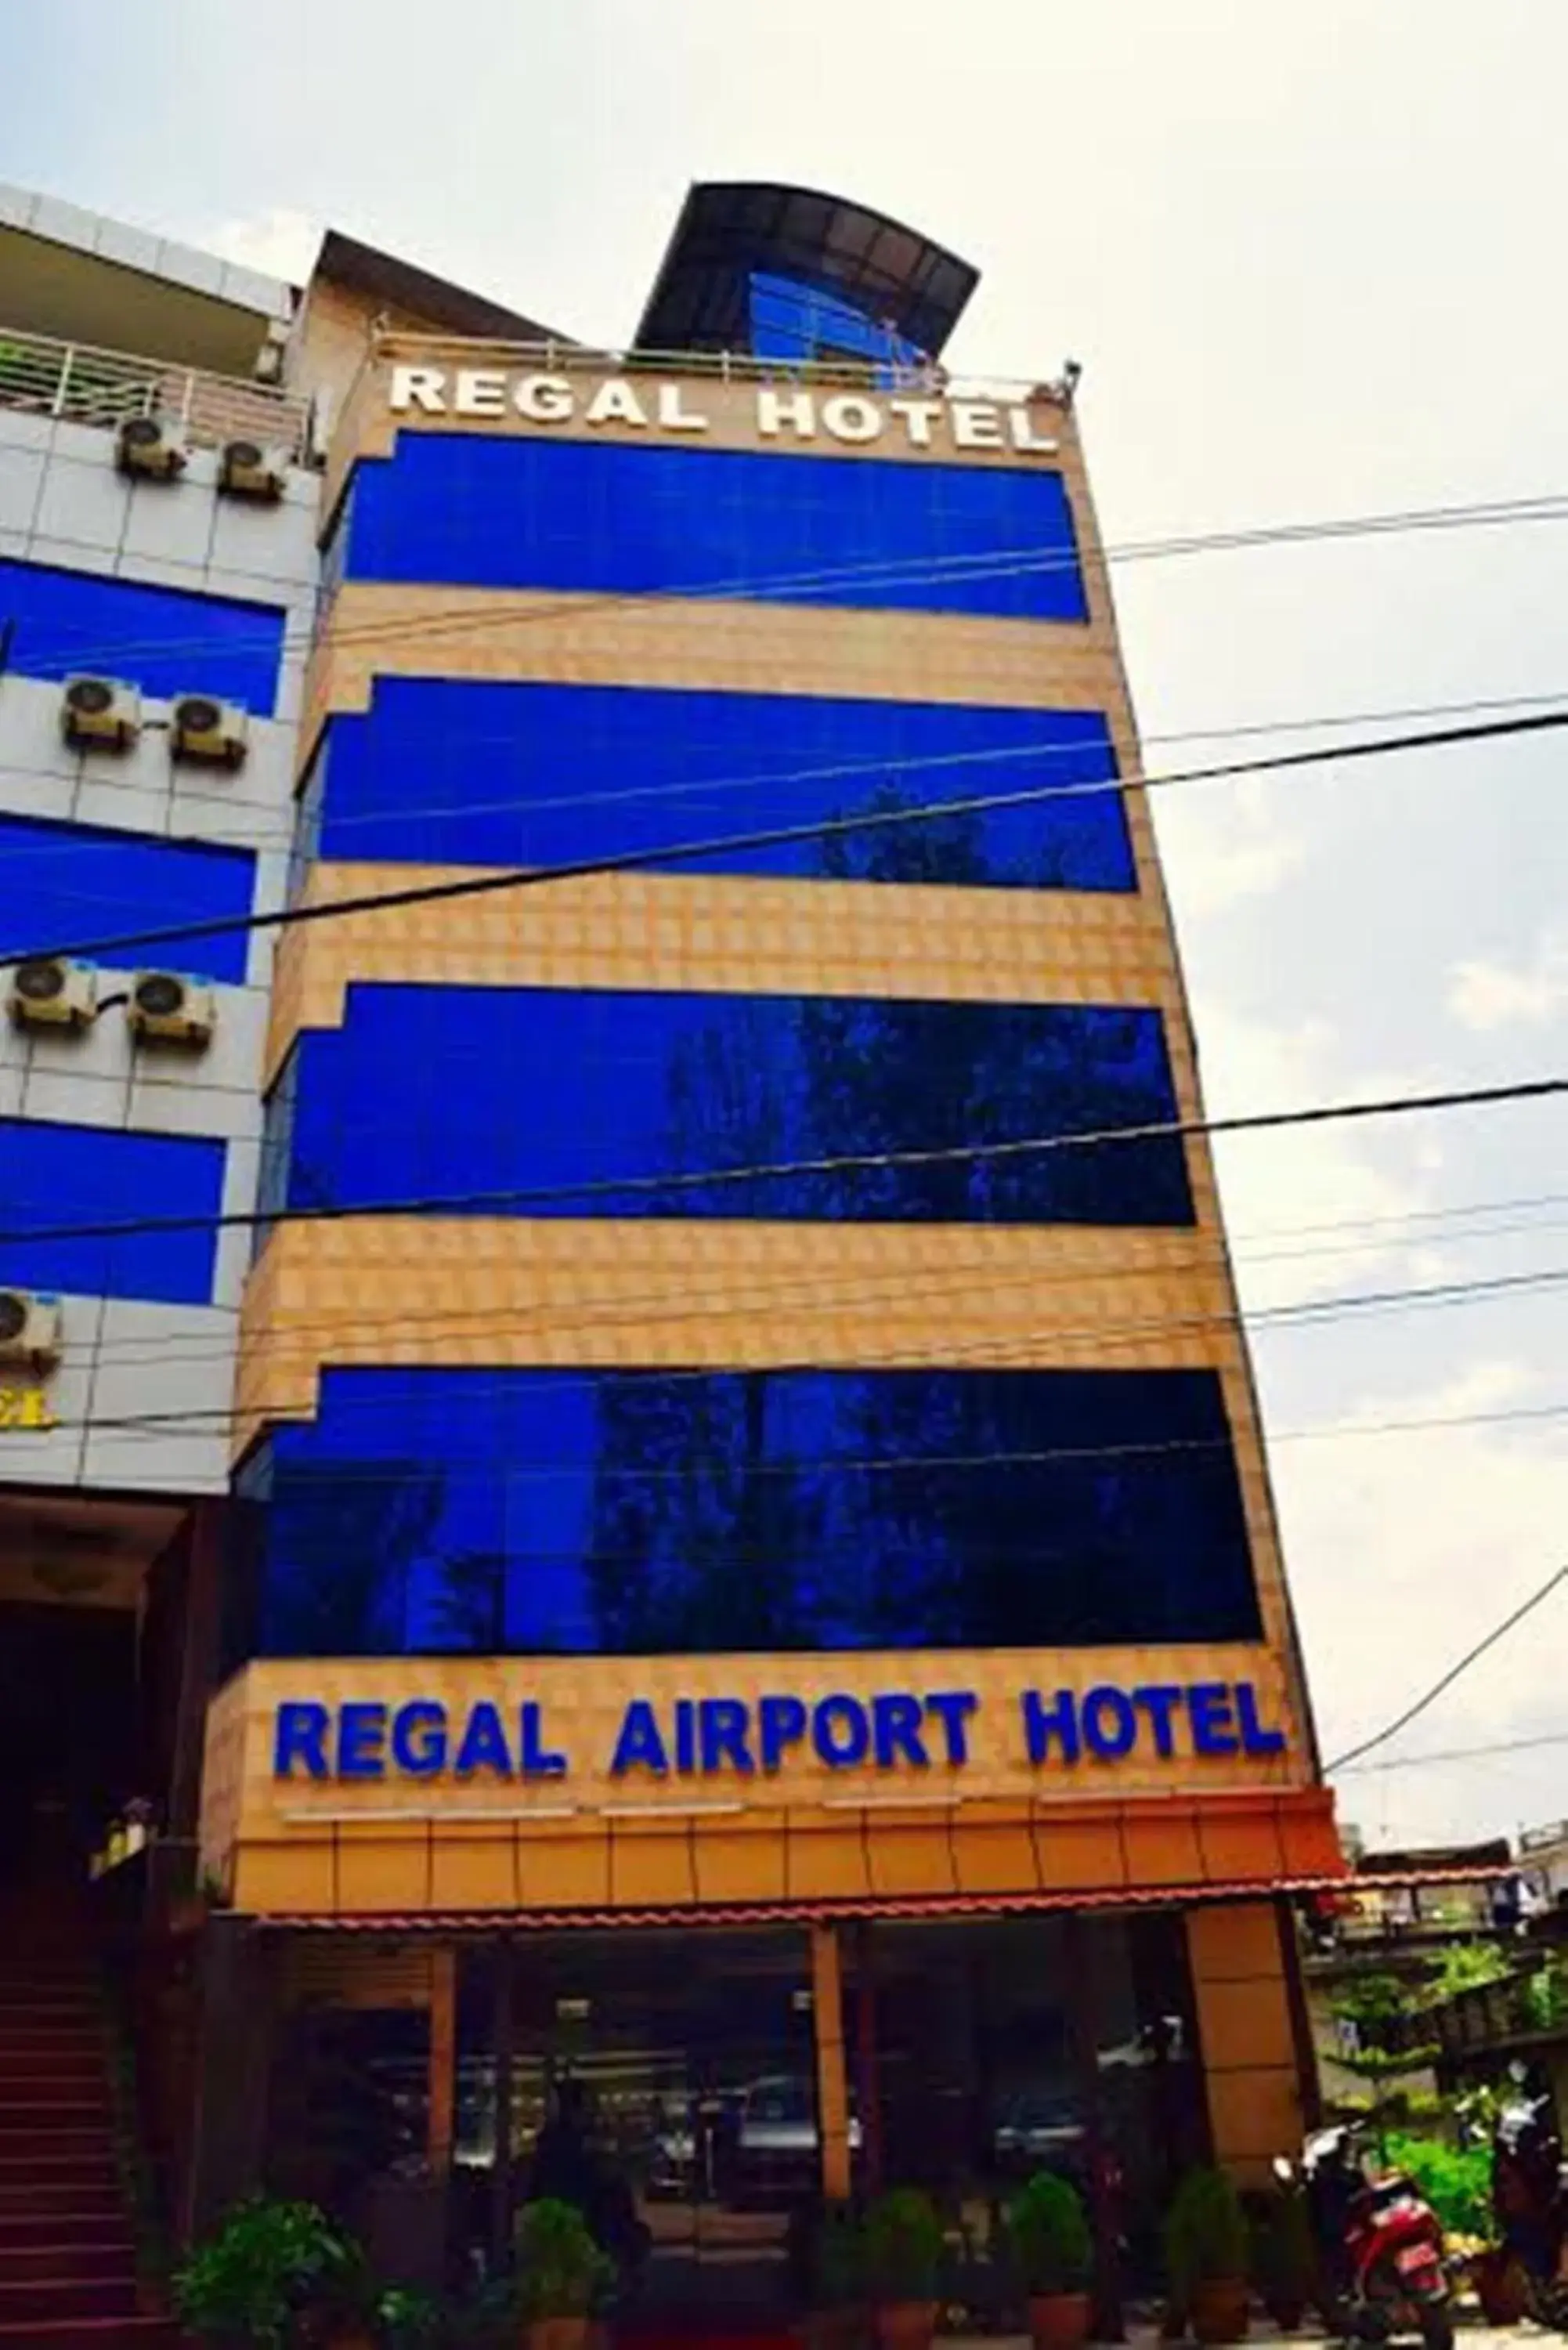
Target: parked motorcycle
x=1530 y=2195
x=1379 y=2245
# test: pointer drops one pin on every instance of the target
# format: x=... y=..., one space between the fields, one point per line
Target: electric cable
x=925 y=1353
x=632 y=860
x=284 y=838
x=1003 y=561
x=845 y=1288
x=1491 y=1746
x=1471 y=1655
x=471 y=1203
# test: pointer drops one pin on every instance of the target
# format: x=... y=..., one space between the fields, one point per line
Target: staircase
x=67 y=2262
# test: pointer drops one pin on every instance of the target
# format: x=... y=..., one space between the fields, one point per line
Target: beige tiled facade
x=508 y=1291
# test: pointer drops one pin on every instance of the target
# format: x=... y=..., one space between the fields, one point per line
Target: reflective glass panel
x=678 y=1513
x=68 y=880
x=619 y=1098
x=164 y=640
x=58 y=1175
x=461 y=509
x=463 y=771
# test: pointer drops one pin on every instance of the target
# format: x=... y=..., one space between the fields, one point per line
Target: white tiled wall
x=168 y=1368
x=61 y=502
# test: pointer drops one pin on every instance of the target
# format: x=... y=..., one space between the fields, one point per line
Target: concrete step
x=109 y=2256
x=69 y=2297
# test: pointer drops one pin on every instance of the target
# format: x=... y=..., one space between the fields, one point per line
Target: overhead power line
x=1463 y=1753
x=976 y=564
x=642 y=860
x=624 y=1186
x=1455 y=1673
x=283 y=835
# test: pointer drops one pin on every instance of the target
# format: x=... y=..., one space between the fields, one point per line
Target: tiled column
x=832 y=2084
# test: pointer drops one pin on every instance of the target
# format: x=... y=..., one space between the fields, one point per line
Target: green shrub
x=1205 y=2232
x=1049 y=2233
x=1458 y=2184
x=561 y=2271
x=266 y=2262
x=903 y=2240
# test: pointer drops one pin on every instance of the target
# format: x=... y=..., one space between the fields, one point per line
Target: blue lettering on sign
x=710 y=1737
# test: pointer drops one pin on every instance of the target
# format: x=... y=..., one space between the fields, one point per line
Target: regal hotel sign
x=663 y=409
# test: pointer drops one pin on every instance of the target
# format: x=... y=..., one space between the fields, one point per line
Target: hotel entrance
x=673 y=2085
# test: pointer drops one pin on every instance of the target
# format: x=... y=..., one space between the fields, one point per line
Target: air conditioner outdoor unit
x=52 y=992
x=165 y=1008
x=246 y=470
x=216 y=732
x=151 y=448
x=31 y=1329
x=100 y=709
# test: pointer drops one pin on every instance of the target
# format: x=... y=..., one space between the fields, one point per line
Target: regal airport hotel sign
x=894 y=1733
x=675 y=410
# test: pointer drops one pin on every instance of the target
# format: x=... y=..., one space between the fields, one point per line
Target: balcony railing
x=84 y=385
x=839 y=372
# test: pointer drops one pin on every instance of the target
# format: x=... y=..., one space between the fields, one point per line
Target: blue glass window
x=464 y=772
x=54 y=1175
x=792 y=320
x=456 y=508
x=637 y=1513
x=72 y=881
x=446 y=1092
x=163 y=639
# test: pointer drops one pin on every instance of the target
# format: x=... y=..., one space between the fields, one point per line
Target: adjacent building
x=636 y=1418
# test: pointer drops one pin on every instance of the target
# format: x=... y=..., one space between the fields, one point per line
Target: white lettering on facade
x=543 y=399
x=919 y=416
x=976 y=425
x=415 y=387
x=1025 y=438
x=615 y=402
x=673 y=416
x=848 y=417
x=481 y=391
x=775 y=410
x=799 y=415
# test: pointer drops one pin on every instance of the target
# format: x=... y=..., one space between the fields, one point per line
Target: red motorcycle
x=1379 y=2246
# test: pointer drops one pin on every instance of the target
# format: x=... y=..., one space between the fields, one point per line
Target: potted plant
x=1055 y=2253
x=1206 y=2256
x=265 y=2265
x=903 y=2250
x=838 y=2281
x=1283 y=2265
x=405 y=2318
x=562 y=2275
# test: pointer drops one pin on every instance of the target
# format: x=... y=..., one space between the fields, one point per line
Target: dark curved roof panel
x=728 y=228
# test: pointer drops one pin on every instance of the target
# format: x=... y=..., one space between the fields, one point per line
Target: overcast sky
x=1310 y=258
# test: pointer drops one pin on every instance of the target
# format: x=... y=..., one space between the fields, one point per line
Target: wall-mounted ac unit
x=202 y=728
x=100 y=711
x=246 y=470
x=150 y=449
x=167 y=1008
x=52 y=992
x=32 y=1330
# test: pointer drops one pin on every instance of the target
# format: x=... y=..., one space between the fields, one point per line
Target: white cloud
x=1404 y=1548
x=1308 y=1208
x=1223 y=845
x=280 y=243
x=1485 y=994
